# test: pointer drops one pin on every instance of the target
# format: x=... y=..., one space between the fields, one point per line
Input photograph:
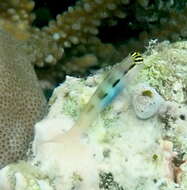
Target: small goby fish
x=108 y=89
x=113 y=83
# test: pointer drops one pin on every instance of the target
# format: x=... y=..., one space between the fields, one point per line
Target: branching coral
x=16 y=16
x=81 y=23
x=78 y=25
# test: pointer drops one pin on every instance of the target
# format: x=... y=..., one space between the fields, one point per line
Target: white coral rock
x=138 y=151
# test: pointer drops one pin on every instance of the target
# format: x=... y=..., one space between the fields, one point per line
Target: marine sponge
x=22 y=102
x=146 y=101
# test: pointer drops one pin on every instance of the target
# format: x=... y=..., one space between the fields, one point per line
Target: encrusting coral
x=22 y=102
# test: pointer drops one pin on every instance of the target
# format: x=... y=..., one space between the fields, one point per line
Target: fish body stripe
x=135 y=54
x=102 y=94
x=115 y=83
x=137 y=57
x=138 y=60
x=113 y=92
x=126 y=71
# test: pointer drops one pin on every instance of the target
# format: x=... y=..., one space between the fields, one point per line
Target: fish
x=111 y=86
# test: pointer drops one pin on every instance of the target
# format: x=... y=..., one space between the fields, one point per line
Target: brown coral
x=21 y=100
x=81 y=22
x=16 y=17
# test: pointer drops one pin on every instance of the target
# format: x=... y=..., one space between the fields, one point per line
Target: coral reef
x=22 y=102
x=127 y=151
x=77 y=30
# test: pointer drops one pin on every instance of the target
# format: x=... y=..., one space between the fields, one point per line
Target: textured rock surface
x=130 y=153
x=21 y=100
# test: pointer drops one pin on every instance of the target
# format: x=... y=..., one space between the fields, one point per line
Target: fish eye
x=182 y=117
